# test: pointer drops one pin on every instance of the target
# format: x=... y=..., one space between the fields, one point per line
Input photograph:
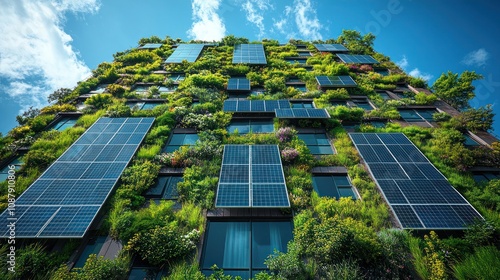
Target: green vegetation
x=332 y=239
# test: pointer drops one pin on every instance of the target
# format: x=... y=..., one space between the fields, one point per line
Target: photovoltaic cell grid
x=335 y=81
x=150 y=46
x=330 y=48
x=357 y=58
x=238 y=84
x=301 y=113
x=189 y=52
x=249 y=53
x=252 y=176
x=420 y=196
x=64 y=201
x=255 y=105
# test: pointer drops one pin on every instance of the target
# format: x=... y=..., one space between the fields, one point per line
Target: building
x=235 y=141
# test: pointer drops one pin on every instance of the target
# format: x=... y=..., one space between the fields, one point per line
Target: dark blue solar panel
x=372 y=139
x=300 y=113
x=233 y=195
x=330 y=48
x=467 y=213
x=335 y=81
x=236 y=154
x=358 y=138
x=284 y=104
x=317 y=113
x=267 y=173
x=419 y=192
x=243 y=106
x=249 y=54
x=238 y=84
x=412 y=171
x=368 y=153
x=413 y=153
x=265 y=154
x=234 y=174
x=387 y=138
x=430 y=171
x=357 y=58
x=230 y=105
x=385 y=171
x=399 y=153
x=448 y=191
x=257 y=106
x=75 y=180
x=284 y=113
x=188 y=52
x=271 y=105
x=270 y=194
x=407 y=216
x=438 y=216
x=383 y=154
x=392 y=192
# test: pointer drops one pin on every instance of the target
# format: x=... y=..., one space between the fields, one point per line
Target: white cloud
x=36 y=56
x=476 y=58
x=207 y=25
x=403 y=63
x=307 y=21
x=417 y=74
x=254 y=11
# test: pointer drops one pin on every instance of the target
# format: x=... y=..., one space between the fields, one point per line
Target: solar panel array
x=335 y=81
x=189 y=52
x=252 y=176
x=243 y=105
x=238 y=84
x=419 y=195
x=150 y=46
x=301 y=113
x=330 y=48
x=64 y=200
x=357 y=58
x=249 y=53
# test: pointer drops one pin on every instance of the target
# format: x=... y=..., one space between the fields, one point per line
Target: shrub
x=99 y=101
x=483 y=264
x=288 y=155
x=285 y=134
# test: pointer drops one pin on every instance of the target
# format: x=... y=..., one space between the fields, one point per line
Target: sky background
x=49 y=44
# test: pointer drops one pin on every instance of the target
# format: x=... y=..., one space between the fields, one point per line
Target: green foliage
x=116 y=90
x=231 y=40
x=344 y=113
x=422 y=98
x=275 y=85
x=183 y=271
x=199 y=184
x=203 y=80
x=57 y=108
x=456 y=90
x=483 y=264
x=441 y=117
x=475 y=119
x=417 y=82
x=287 y=265
x=59 y=95
x=99 y=101
x=118 y=110
x=135 y=180
x=356 y=43
x=96 y=268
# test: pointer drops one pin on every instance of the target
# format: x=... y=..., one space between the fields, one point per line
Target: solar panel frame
x=416 y=191
x=335 y=81
x=249 y=54
x=255 y=106
x=357 y=58
x=188 y=52
x=262 y=185
x=83 y=176
x=238 y=84
x=331 y=48
x=302 y=113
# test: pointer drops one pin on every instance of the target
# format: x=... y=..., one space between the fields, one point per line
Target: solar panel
x=249 y=54
x=335 y=81
x=188 y=52
x=357 y=58
x=238 y=84
x=330 y=48
x=302 y=113
x=416 y=191
x=150 y=46
x=252 y=176
x=64 y=200
x=254 y=106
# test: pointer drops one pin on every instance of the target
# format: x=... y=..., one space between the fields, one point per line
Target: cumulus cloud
x=403 y=64
x=476 y=58
x=282 y=25
x=207 y=24
x=307 y=21
x=254 y=10
x=36 y=56
x=417 y=74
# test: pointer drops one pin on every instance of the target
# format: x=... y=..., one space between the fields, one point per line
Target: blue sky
x=49 y=44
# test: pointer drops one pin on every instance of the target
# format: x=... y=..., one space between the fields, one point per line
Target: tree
x=59 y=95
x=99 y=101
x=31 y=113
x=477 y=119
x=356 y=43
x=231 y=40
x=456 y=90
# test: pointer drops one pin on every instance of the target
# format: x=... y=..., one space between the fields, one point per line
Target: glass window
x=485 y=177
x=410 y=115
x=64 y=123
x=303 y=104
x=241 y=247
x=165 y=187
x=317 y=143
x=304 y=54
x=384 y=95
x=426 y=114
x=338 y=103
x=363 y=104
x=254 y=126
x=4 y=172
x=335 y=186
x=180 y=139
x=469 y=142
x=302 y=88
